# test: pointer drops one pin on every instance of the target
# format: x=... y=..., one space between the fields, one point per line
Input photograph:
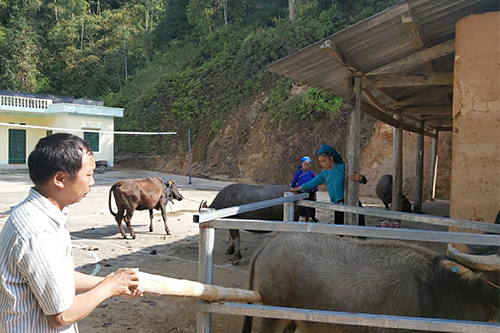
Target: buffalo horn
x=203 y=204
x=484 y=263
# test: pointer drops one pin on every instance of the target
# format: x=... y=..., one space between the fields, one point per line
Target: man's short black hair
x=54 y=153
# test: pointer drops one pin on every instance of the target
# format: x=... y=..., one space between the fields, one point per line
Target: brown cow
x=141 y=194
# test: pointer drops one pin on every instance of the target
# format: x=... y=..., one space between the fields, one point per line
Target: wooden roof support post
x=353 y=151
x=434 y=162
x=419 y=176
x=397 y=185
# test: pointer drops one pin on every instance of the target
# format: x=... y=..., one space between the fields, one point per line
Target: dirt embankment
x=251 y=149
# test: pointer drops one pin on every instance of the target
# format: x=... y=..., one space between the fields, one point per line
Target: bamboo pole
x=157 y=284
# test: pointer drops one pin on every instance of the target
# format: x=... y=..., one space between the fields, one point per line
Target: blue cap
x=305 y=158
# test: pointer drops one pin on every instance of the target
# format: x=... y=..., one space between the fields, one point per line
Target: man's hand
x=124 y=282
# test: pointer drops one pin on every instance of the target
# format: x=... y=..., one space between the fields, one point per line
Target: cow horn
x=481 y=262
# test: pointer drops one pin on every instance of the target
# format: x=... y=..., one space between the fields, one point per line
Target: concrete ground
x=99 y=249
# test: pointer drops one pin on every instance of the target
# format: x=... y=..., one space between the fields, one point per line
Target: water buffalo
x=240 y=194
x=384 y=193
x=325 y=272
x=141 y=194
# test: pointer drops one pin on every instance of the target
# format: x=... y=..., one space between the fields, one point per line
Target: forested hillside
x=176 y=65
x=168 y=62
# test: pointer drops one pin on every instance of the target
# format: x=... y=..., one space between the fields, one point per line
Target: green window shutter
x=92 y=139
x=49 y=132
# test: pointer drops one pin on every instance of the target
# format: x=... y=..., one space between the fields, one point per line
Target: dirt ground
x=99 y=249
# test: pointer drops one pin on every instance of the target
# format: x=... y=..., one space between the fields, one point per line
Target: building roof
x=404 y=55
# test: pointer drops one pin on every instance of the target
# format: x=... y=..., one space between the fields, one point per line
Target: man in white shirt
x=39 y=289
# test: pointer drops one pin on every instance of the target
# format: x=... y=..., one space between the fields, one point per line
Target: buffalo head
x=483 y=263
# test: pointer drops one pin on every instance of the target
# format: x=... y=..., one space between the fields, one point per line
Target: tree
x=173 y=24
x=19 y=47
x=291 y=9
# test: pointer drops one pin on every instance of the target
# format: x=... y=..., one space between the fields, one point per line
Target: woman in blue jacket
x=303 y=175
x=333 y=176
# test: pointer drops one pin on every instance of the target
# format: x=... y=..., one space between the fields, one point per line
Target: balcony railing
x=25 y=102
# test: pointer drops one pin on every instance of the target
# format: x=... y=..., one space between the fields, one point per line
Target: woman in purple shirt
x=303 y=175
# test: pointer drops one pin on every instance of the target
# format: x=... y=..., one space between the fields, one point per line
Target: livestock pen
x=210 y=220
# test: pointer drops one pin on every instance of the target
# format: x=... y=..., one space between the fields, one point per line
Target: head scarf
x=330 y=151
x=305 y=158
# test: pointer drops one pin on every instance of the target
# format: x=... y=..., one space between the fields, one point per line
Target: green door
x=17 y=146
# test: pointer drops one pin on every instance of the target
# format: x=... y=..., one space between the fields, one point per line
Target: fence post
x=189 y=154
x=205 y=274
x=288 y=208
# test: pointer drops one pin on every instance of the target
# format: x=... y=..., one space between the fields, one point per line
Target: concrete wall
x=96 y=122
x=475 y=175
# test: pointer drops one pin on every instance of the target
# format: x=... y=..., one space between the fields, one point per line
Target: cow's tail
x=109 y=197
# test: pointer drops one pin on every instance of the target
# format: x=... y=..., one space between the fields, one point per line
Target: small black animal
x=384 y=193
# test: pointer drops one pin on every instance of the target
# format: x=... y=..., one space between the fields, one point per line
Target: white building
x=25 y=118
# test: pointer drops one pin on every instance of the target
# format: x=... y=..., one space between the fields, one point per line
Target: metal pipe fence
x=211 y=219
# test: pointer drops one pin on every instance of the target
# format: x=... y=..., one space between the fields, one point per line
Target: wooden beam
x=411 y=27
x=440 y=122
x=376 y=103
x=425 y=96
x=419 y=172
x=413 y=118
x=398 y=80
x=416 y=59
x=439 y=109
x=397 y=146
x=332 y=50
x=387 y=94
x=444 y=129
x=377 y=114
x=433 y=117
x=387 y=119
x=415 y=129
x=353 y=151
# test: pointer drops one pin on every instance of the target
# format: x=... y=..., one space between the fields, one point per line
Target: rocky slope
x=251 y=149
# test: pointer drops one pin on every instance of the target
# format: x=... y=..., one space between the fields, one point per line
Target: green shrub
x=313 y=104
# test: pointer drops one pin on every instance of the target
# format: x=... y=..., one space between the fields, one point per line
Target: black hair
x=54 y=153
x=337 y=158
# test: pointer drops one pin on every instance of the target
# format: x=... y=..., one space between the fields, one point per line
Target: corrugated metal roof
x=372 y=46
